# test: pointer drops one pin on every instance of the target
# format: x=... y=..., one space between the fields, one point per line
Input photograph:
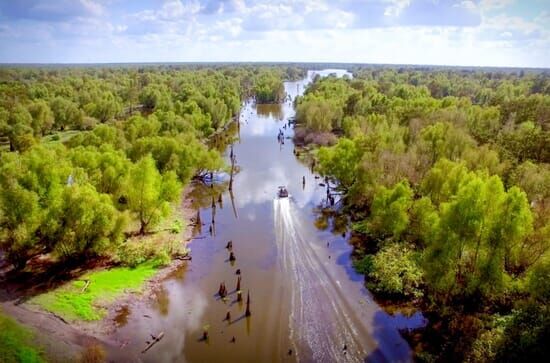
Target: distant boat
x=283 y=193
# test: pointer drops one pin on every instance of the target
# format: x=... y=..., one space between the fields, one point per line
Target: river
x=306 y=302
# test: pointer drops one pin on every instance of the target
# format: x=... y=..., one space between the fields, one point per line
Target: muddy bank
x=63 y=341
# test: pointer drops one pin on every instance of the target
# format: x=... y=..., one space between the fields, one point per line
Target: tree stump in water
x=248 y=313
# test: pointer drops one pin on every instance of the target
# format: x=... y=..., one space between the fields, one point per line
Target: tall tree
x=150 y=193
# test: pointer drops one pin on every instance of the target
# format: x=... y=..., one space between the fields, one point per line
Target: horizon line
x=411 y=65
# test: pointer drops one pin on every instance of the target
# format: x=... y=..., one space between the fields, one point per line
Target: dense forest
x=93 y=156
x=443 y=173
x=446 y=178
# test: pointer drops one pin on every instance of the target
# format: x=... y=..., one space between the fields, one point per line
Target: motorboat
x=282 y=193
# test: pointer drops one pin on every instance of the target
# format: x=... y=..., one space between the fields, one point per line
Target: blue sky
x=447 y=32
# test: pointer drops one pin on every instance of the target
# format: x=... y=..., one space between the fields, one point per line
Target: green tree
x=479 y=237
x=20 y=218
x=66 y=113
x=390 y=210
x=340 y=161
x=89 y=223
x=149 y=193
x=42 y=117
x=105 y=108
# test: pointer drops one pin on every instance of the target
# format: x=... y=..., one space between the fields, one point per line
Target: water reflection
x=320 y=289
x=162 y=300
x=273 y=111
x=121 y=317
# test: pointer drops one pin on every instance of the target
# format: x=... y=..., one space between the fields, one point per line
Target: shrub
x=132 y=254
x=176 y=227
x=364 y=264
x=395 y=271
x=162 y=258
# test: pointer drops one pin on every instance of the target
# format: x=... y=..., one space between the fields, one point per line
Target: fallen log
x=153 y=342
x=183 y=258
x=85 y=286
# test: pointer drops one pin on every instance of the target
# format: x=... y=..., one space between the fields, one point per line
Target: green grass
x=15 y=342
x=60 y=136
x=105 y=286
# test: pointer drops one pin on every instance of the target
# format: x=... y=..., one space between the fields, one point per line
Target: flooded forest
x=274 y=213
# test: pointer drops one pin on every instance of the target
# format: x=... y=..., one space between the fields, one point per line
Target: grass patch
x=60 y=136
x=105 y=286
x=15 y=343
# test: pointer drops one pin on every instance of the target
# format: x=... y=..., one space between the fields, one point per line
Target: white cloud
x=396 y=7
x=495 y=4
x=388 y=31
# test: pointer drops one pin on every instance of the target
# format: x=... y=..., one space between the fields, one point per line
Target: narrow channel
x=307 y=304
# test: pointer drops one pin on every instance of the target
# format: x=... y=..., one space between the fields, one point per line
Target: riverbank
x=72 y=317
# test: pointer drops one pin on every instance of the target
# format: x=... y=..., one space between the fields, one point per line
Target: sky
x=440 y=32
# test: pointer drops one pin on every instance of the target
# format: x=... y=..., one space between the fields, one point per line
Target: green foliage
x=16 y=343
x=176 y=227
x=155 y=96
x=160 y=250
x=394 y=271
x=390 y=210
x=149 y=193
x=73 y=192
x=268 y=88
x=478 y=237
x=319 y=115
x=105 y=286
x=364 y=265
x=42 y=117
x=526 y=335
x=340 y=161
x=539 y=281
x=443 y=140
x=66 y=113
x=105 y=108
x=88 y=222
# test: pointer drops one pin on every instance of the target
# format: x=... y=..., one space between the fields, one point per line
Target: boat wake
x=323 y=327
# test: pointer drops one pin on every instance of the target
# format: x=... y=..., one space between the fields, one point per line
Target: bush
x=162 y=258
x=176 y=227
x=134 y=253
x=394 y=271
x=526 y=336
x=364 y=265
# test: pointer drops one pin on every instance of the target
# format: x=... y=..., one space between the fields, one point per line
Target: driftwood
x=60 y=318
x=85 y=286
x=153 y=342
x=183 y=258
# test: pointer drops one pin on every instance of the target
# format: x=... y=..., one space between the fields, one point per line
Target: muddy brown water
x=307 y=303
